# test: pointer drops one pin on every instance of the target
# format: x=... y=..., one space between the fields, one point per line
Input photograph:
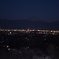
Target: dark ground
x=29 y=46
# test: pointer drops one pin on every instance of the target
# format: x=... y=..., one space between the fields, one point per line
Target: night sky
x=47 y=10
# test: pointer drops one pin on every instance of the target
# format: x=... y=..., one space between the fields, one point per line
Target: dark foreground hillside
x=29 y=46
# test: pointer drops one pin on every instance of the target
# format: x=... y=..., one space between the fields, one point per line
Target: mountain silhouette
x=31 y=24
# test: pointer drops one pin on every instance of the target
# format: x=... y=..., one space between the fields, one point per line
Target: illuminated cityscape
x=11 y=31
x=21 y=41
x=29 y=43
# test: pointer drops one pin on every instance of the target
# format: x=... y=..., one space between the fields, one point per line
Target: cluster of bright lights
x=9 y=49
x=7 y=46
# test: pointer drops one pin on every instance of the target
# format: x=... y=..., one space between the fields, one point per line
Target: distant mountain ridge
x=31 y=24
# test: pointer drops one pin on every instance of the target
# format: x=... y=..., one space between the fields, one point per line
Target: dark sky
x=47 y=10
